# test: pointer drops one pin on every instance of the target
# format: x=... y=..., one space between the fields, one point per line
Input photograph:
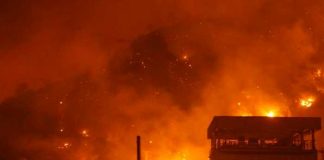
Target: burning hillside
x=80 y=79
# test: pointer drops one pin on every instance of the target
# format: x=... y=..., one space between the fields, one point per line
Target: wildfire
x=271 y=114
x=307 y=102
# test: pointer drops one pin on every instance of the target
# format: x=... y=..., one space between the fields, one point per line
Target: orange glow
x=185 y=57
x=89 y=76
x=260 y=108
x=318 y=73
x=245 y=114
x=85 y=133
x=307 y=102
x=65 y=145
x=271 y=114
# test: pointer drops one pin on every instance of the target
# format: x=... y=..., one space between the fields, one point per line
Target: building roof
x=230 y=126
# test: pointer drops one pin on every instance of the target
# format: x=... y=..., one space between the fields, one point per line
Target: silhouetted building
x=263 y=138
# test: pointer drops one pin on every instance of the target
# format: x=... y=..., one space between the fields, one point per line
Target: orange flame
x=271 y=114
x=307 y=102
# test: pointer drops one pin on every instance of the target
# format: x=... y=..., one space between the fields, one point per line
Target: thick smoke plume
x=80 y=79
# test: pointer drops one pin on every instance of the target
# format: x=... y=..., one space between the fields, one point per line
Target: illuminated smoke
x=80 y=79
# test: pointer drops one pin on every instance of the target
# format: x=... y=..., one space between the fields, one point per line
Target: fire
x=318 y=73
x=183 y=156
x=185 y=57
x=269 y=109
x=85 y=133
x=271 y=114
x=307 y=102
x=245 y=114
x=65 y=145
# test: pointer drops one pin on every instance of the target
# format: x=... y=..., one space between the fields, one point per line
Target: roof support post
x=313 y=140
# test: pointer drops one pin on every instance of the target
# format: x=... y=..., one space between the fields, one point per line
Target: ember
x=65 y=145
x=85 y=133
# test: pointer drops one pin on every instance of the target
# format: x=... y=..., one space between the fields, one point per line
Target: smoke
x=80 y=79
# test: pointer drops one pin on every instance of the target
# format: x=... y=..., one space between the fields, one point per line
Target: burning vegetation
x=80 y=79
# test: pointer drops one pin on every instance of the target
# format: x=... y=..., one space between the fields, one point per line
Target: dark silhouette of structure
x=263 y=138
x=138 y=146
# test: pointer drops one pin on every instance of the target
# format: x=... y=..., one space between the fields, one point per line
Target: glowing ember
x=185 y=57
x=307 y=102
x=65 y=145
x=85 y=133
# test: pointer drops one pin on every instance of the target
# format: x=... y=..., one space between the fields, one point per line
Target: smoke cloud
x=80 y=79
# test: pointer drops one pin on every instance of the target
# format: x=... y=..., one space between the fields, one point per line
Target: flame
x=271 y=114
x=307 y=102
